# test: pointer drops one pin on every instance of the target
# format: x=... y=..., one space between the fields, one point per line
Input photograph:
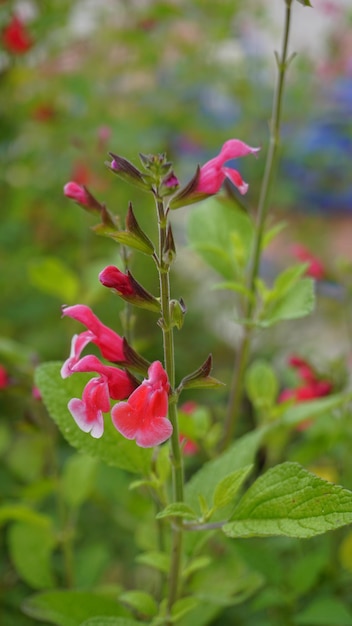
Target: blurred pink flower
x=143 y=416
x=315 y=267
x=213 y=173
x=4 y=377
x=189 y=447
x=15 y=37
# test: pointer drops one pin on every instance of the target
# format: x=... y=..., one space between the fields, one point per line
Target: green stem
x=176 y=455
x=236 y=392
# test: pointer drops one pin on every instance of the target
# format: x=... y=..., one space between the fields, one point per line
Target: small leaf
x=297 y=302
x=157 y=560
x=177 y=509
x=53 y=277
x=288 y=500
x=139 y=601
x=195 y=565
x=261 y=385
x=305 y=3
x=229 y=486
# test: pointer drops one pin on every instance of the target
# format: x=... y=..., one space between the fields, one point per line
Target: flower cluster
x=143 y=416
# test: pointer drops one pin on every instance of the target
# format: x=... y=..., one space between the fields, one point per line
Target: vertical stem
x=236 y=392
x=176 y=455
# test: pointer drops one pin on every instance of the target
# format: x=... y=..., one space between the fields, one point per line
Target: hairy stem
x=176 y=455
x=236 y=392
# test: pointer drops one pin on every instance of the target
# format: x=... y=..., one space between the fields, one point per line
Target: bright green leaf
x=213 y=227
x=139 y=601
x=297 y=302
x=289 y=500
x=111 y=447
x=177 y=509
x=229 y=486
x=31 y=548
x=182 y=607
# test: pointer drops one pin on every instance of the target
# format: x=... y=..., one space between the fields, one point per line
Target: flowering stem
x=236 y=392
x=169 y=357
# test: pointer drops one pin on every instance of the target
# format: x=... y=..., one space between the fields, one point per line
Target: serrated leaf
x=177 y=509
x=71 y=607
x=157 y=560
x=229 y=486
x=288 y=500
x=31 y=547
x=140 y=601
x=111 y=448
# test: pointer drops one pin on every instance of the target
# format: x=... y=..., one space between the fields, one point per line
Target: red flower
x=189 y=447
x=120 y=383
x=109 y=342
x=213 y=173
x=77 y=192
x=4 y=377
x=15 y=37
x=315 y=267
x=128 y=288
x=143 y=416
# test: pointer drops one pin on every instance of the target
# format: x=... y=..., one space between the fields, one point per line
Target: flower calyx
x=200 y=378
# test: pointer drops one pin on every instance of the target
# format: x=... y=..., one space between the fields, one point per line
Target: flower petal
x=236 y=178
x=88 y=412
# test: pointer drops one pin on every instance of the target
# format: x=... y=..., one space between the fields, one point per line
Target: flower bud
x=128 y=288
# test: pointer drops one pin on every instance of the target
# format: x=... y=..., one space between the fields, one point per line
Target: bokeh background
x=81 y=78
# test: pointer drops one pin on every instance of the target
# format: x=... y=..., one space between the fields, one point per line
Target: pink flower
x=120 y=383
x=213 y=173
x=15 y=37
x=143 y=416
x=112 y=277
x=77 y=192
x=315 y=267
x=109 y=342
x=88 y=412
x=189 y=447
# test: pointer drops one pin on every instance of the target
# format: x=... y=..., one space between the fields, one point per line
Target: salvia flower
x=15 y=37
x=128 y=288
x=213 y=173
x=88 y=412
x=4 y=377
x=144 y=416
x=109 y=342
x=78 y=193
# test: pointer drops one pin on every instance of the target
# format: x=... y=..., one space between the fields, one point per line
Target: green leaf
x=213 y=229
x=305 y=3
x=183 y=606
x=22 y=513
x=325 y=611
x=78 y=479
x=111 y=448
x=70 y=607
x=229 y=486
x=177 y=509
x=195 y=565
x=239 y=454
x=288 y=500
x=31 y=547
x=157 y=560
x=53 y=277
x=261 y=384
x=140 y=601
x=312 y=408
x=297 y=302
x=111 y=621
